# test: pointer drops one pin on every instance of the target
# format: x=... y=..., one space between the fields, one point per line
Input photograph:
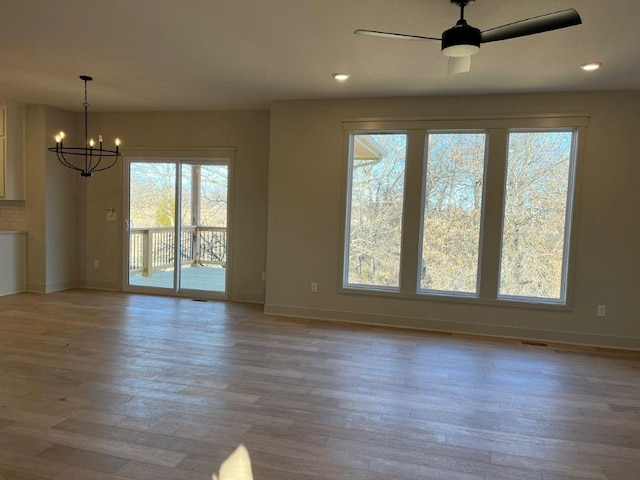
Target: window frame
x=497 y=128
x=346 y=224
x=568 y=218
x=425 y=166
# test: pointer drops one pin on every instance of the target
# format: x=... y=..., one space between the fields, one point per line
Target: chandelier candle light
x=90 y=157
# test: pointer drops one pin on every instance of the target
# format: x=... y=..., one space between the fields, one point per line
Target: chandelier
x=87 y=159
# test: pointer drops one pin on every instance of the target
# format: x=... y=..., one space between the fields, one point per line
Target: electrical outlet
x=96 y=264
x=314 y=287
x=601 y=311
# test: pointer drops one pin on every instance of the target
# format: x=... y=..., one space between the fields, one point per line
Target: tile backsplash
x=12 y=215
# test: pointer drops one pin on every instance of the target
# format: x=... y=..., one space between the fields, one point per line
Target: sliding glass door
x=177 y=226
x=203 y=220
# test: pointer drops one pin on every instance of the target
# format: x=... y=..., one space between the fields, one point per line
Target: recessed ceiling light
x=589 y=67
x=341 y=77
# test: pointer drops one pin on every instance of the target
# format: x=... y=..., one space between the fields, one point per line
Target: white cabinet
x=12 y=151
x=13 y=258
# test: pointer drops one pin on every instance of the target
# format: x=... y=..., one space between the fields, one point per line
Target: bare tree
x=452 y=211
x=152 y=199
x=377 y=190
x=535 y=214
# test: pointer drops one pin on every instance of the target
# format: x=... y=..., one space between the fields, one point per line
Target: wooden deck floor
x=111 y=386
x=203 y=278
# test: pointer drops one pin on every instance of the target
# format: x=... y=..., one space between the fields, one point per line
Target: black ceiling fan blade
x=399 y=36
x=530 y=26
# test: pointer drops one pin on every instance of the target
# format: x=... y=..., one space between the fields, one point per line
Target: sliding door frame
x=179 y=156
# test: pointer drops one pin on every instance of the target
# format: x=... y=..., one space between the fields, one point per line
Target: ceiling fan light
x=461 y=50
x=591 y=66
x=461 y=40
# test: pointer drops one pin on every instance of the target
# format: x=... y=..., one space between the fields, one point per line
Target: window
x=376 y=191
x=478 y=210
x=452 y=210
x=535 y=221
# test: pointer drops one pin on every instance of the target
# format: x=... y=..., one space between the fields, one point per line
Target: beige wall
x=35 y=174
x=51 y=203
x=247 y=131
x=306 y=170
x=62 y=206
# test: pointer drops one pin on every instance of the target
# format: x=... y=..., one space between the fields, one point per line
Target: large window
x=480 y=212
x=535 y=219
x=452 y=211
x=376 y=191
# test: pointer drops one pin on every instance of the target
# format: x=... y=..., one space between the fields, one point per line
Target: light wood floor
x=99 y=386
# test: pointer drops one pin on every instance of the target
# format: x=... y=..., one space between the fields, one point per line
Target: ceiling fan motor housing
x=461 y=41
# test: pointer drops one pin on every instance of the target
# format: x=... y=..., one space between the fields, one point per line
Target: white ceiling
x=243 y=54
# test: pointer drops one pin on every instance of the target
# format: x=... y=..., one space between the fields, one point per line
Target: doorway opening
x=177 y=228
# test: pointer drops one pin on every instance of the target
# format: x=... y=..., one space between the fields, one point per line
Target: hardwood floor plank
x=81 y=473
x=609 y=450
x=21 y=445
x=173 y=447
x=144 y=471
x=83 y=458
x=95 y=416
x=106 y=446
x=286 y=466
x=29 y=464
x=549 y=465
x=29 y=418
x=560 y=476
x=10 y=474
x=409 y=470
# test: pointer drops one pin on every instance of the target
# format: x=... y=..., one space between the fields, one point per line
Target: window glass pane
x=535 y=217
x=214 y=181
x=452 y=211
x=203 y=241
x=152 y=204
x=374 y=227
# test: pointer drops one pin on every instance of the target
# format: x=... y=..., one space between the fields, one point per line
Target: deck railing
x=152 y=249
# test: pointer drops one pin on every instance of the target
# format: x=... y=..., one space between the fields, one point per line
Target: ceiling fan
x=463 y=40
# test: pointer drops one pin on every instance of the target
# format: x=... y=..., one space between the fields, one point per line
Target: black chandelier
x=87 y=159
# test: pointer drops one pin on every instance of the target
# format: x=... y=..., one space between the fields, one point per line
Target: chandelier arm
x=115 y=159
x=65 y=162
x=92 y=167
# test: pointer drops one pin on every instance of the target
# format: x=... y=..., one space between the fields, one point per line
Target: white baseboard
x=438 y=325
x=94 y=285
x=246 y=298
